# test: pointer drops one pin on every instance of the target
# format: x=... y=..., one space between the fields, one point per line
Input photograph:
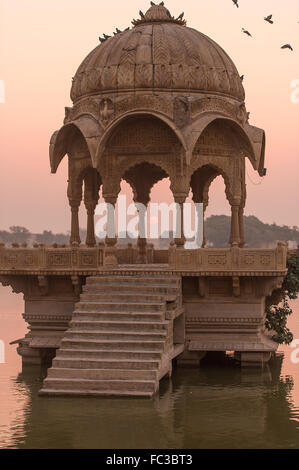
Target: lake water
x=216 y=406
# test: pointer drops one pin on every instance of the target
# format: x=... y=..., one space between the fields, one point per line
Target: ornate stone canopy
x=164 y=97
x=158 y=53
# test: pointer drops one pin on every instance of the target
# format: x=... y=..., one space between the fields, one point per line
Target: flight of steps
x=120 y=339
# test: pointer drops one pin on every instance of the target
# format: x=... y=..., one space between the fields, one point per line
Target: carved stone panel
x=181 y=111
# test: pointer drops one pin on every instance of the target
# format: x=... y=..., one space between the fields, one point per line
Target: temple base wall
x=220 y=314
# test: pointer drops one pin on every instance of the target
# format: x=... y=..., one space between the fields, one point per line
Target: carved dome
x=159 y=53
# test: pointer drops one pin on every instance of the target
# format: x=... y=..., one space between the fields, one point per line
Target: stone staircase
x=120 y=339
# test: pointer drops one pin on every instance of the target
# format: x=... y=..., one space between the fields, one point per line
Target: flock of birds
x=269 y=20
x=117 y=31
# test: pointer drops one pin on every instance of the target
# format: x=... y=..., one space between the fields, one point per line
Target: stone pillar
x=235 y=230
x=141 y=242
x=75 y=232
x=90 y=235
x=204 y=241
x=241 y=227
x=179 y=200
x=110 y=255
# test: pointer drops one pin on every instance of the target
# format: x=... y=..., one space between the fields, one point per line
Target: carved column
x=205 y=205
x=92 y=184
x=75 y=232
x=110 y=257
x=241 y=227
x=141 y=242
x=90 y=235
x=235 y=229
x=179 y=199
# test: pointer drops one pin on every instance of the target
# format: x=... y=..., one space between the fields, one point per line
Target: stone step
x=131 y=288
x=94 y=393
x=100 y=384
x=111 y=344
x=135 y=297
x=118 y=326
x=72 y=334
x=84 y=363
x=108 y=354
x=125 y=306
x=140 y=280
x=103 y=374
x=118 y=315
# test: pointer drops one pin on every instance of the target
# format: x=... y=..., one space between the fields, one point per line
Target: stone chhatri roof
x=159 y=53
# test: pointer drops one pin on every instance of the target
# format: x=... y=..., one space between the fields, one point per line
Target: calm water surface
x=217 y=406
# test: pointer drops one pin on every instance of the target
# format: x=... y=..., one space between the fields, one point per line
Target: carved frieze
x=219 y=105
x=86 y=106
x=59 y=258
x=144 y=102
x=181 y=111
x=106 y=111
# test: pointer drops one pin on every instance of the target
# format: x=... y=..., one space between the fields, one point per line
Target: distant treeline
x=258 y=234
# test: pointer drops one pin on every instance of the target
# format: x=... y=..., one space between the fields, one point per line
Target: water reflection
x=214 y=407
x=217 y=406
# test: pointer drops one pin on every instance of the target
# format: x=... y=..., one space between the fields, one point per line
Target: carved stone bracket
x=202 y=286
x=77 y=285
x=236 y=286
x=43 y=284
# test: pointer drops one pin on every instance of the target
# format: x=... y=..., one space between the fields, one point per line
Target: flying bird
x=141 y=14
x=236 y=3
x=269 y=19
x=181 y=16
x=246 y=32
x=287 y=46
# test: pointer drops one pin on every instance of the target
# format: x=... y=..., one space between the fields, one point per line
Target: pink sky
x=43 y=43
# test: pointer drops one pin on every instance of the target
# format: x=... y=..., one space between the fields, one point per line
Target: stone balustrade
x=231 y=259
x=82 y=259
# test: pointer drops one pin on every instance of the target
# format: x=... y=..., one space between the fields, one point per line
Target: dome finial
x=158 y=14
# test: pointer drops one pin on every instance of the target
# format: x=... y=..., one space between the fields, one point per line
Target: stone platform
x=139 y=317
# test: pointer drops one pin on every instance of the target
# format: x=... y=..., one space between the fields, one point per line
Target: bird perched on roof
x=246 y=32
x=269 y=19
x=168 y=13
x=153 y=4
x=141 y=14
x=287 y=46
x=106 y=36
x=236 y=3
x=161 y=4
x=242 y=78
x=181 y=16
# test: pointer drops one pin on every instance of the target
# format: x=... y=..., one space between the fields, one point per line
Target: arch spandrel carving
x=103 y=146
x=242 y=141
